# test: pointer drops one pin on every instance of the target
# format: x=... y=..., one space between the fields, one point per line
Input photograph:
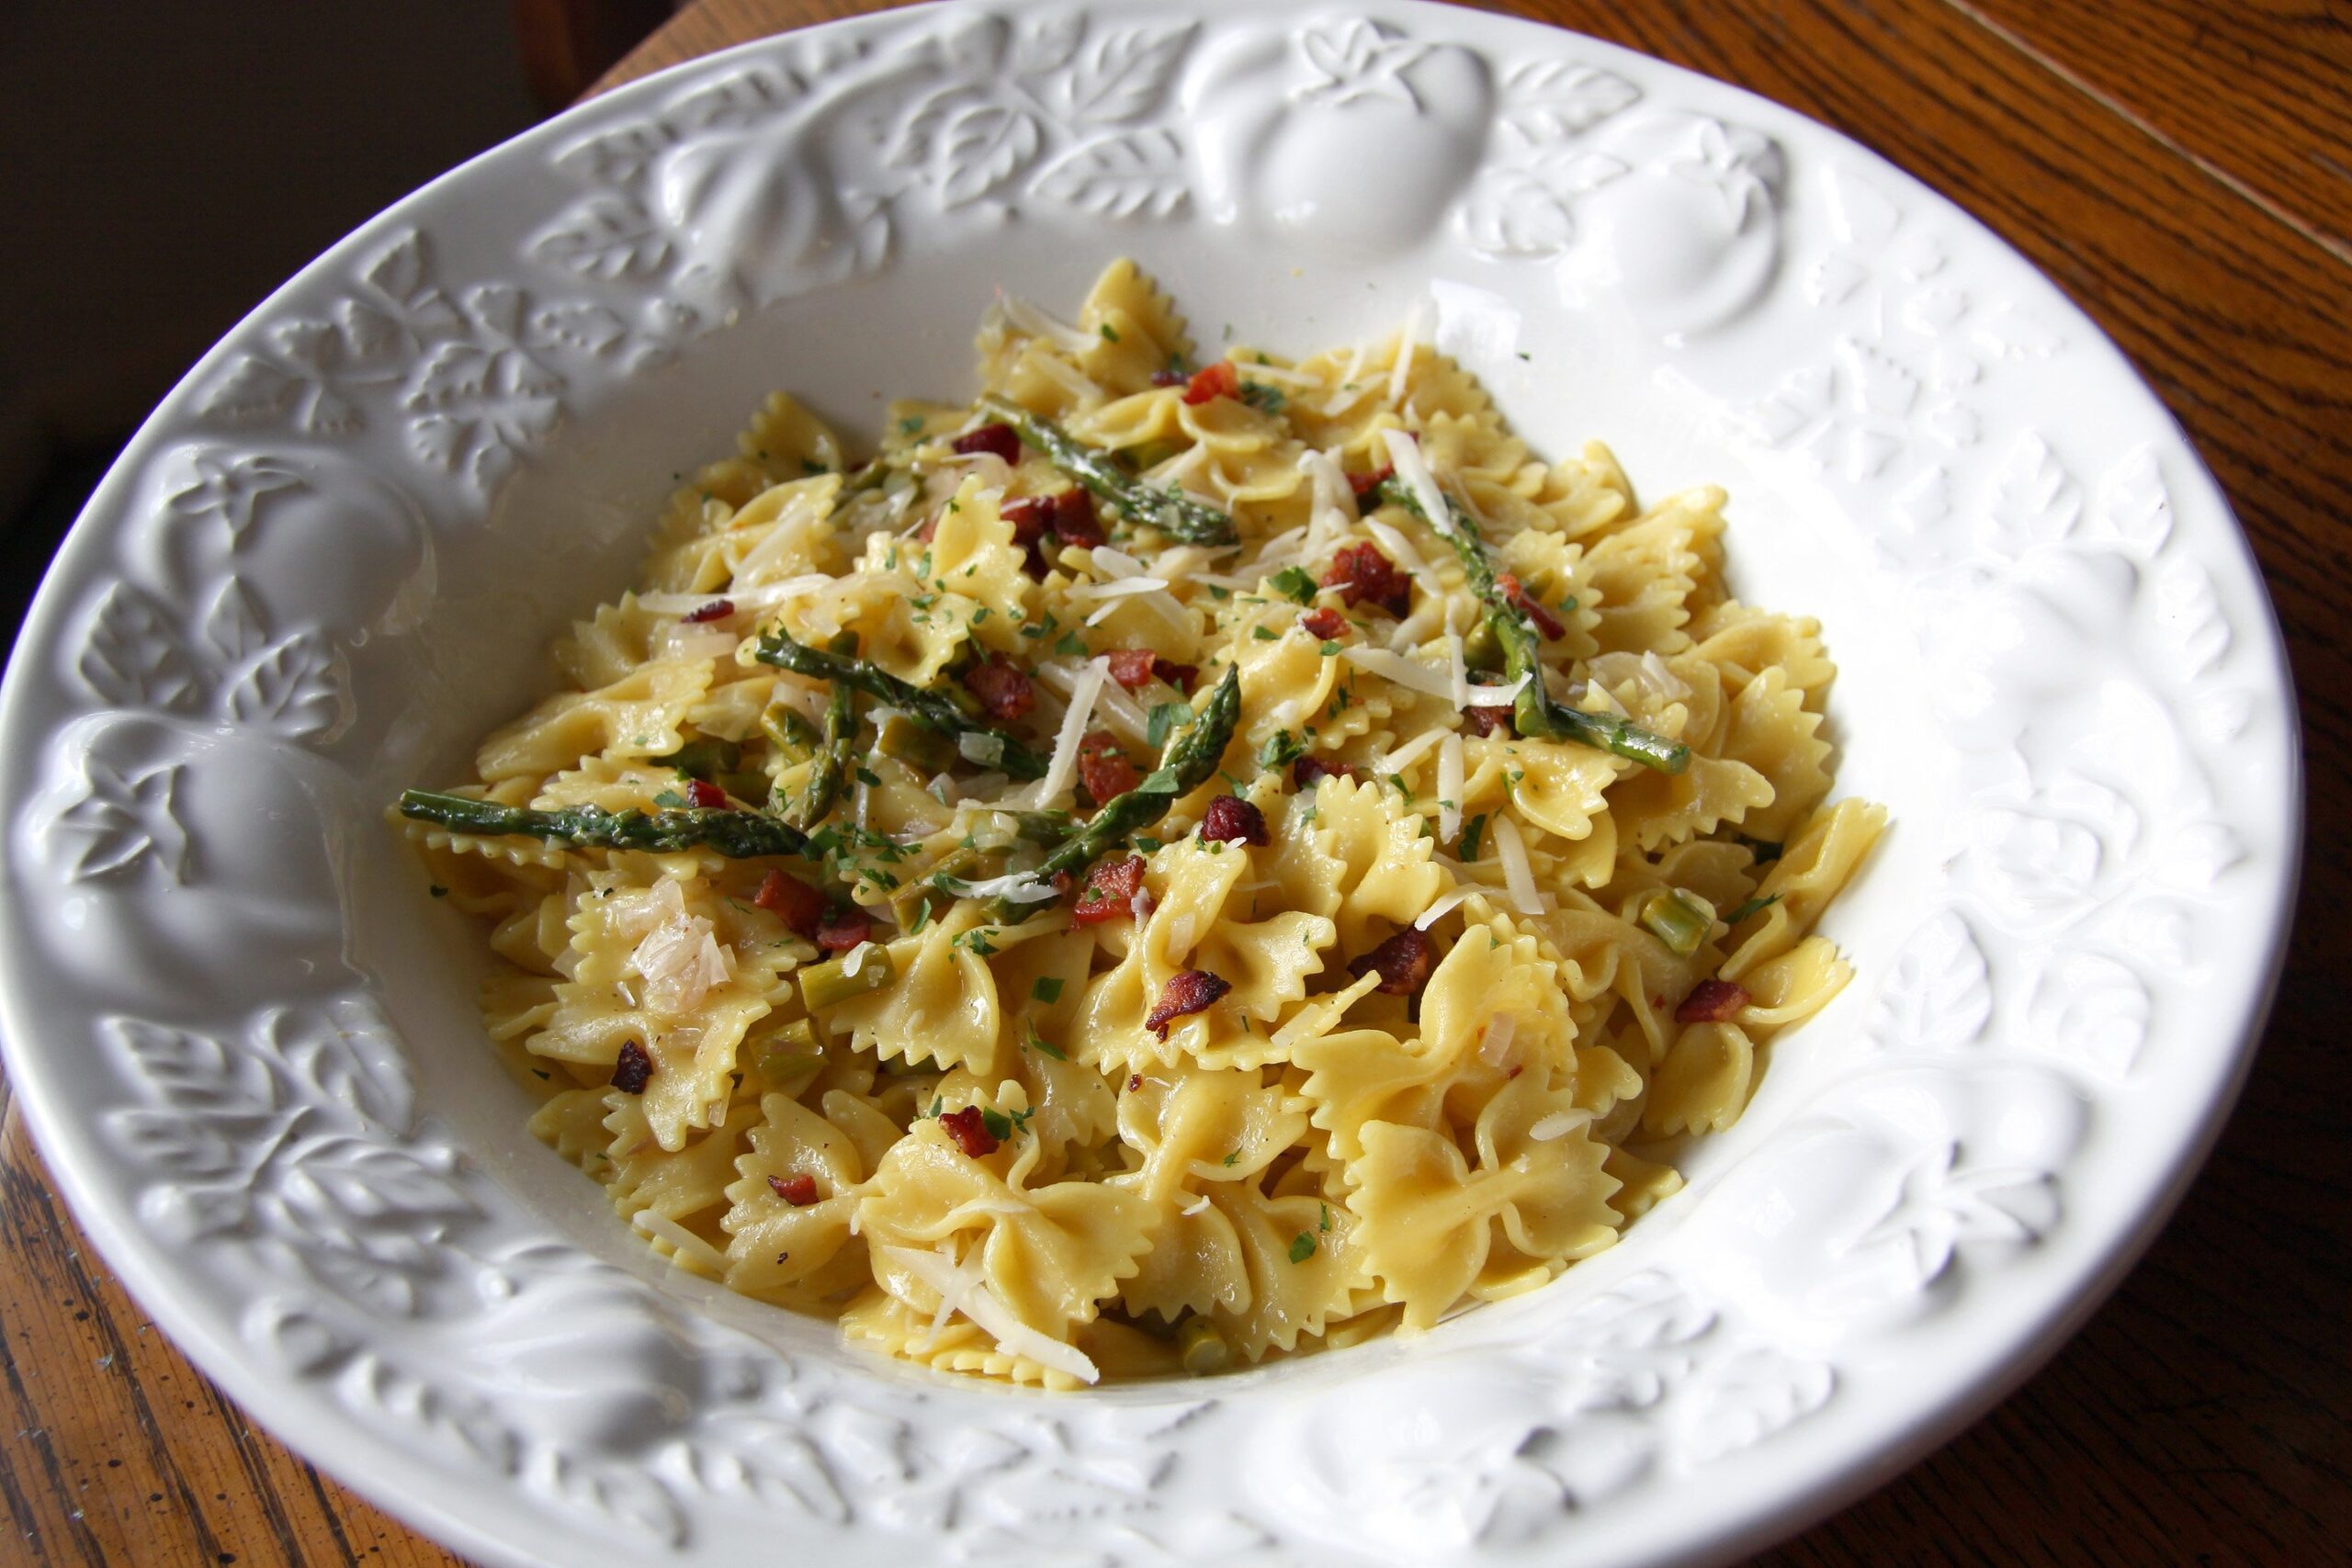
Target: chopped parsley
x=911 y=424
x=1110 y=334
x=1048 y=989
x=1472 y=832
x=1280 y=749
x=1264 y=399
x=438 y=891
x=1234 y=1156
x=1302 y=1247
x=1752 y=907
x=1071 y=644
x=669 y=798
x=1294 y=583
x=1264 y=634
x=1331 y=650
x=1167 y=717
x=869 y=778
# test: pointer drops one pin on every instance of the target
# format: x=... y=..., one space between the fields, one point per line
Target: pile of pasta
x=1322 y=1154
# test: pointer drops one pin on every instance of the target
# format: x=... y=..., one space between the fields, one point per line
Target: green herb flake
x=540 y=1075
x=911 y=424
x=1264 y=399
x=1280 y=749
x=1302 y=1247
x=669 y=798
x=1110 y=334
x=812 y=466
x=1325 y=1225
x=1000 y=1125
x=1220 y=592
x=1233 y=1156
x=1147 y=843
x=1294 y=583
x=922 y=918
x=1039 y=1044
x=1072 y=645
x=1330 y=650
x=1472 y=831
x=438 y=891
x=1264 y=634
x=1754 y=905
x=870 y=779
x=1048 y=989
x=1165 y=717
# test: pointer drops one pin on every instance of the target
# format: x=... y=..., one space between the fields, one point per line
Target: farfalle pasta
x=1169 y=865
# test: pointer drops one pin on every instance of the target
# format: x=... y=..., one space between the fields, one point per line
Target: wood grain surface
x=2184 y=170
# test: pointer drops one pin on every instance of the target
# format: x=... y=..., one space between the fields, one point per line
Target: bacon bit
x=1711 y=1001
x=1165 y=376
x=1103 y=768
x=999 y=440
x=1487 y=720
x=843 y=931
x=1002 y=687
x=1546 y=622
x=1218 y=380
x=716 y=610
x=793 y=901
x=1309 y=772
x=1030 y=515
x=1134 y=1082
x=1110 y=891
x=798 y=1190
x=969 y=1131
x=1364 y=484
x=1187 y=992
x=634 y=1069
x=705 y=796
x=1403 y=963
x=1132 y=667
x=1232 y=820
x=1074 y=522
x=1325 y=623
x=1362 y=573
x=1180 y=676
x=1516 y=1068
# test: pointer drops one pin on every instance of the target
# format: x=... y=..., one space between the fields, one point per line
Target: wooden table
x=2184 y=170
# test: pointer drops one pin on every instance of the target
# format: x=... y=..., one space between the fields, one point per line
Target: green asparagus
x=1189 y=761
x=1170 y=510
x=1536 y=712
x=829 y=769
x=737 y=834
x=945 y=712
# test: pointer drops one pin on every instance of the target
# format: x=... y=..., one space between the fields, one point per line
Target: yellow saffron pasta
x=1308 y=887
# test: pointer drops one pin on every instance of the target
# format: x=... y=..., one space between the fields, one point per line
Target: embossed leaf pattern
x=139 y=655
x=2035 y=500
x=1357 y=59
x=2189 y=615
x=229 y=490
x=1742 y=1398
x=1937 y=996
x=1945 y=1201
x=765 y=1462
x=1546 y=101
x=124 y=822
x=2090 y=1008
x=1120 y=75
x=133 y=657
x=1120 y=177
x=2135 y=509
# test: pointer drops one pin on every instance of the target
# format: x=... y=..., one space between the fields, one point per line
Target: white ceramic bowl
x=246 y=1039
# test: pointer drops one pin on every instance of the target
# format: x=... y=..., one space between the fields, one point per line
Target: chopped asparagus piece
x=944 y=711
x=739 y=835
x=864 y=968
x=1681 y=921
x=829 y=768
x=1189 y=761
x=1536 y=714
x=1170 y=510
x=1201 y=1346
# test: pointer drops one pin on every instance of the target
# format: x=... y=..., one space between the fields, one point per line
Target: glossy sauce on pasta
x=970 y=1147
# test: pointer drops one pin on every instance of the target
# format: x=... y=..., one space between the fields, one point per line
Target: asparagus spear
x=1535 y=712
x=1170 y=510
x=946 y=712
x=1188 y=761
x=737 y=834
x=830 y=768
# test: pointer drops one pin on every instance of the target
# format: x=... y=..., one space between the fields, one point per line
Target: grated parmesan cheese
x=1317 y=1016
x=1446 y=904
x=1494 y=1047
x=1400 y=374
x=1449 y=786
x=685 y=1246
x=1029 y=320
x=1558 y=1124
x=1519 y=876
x=1405 y=756
x=1084 y=689
x=966 y=1290
x=1405 y=455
